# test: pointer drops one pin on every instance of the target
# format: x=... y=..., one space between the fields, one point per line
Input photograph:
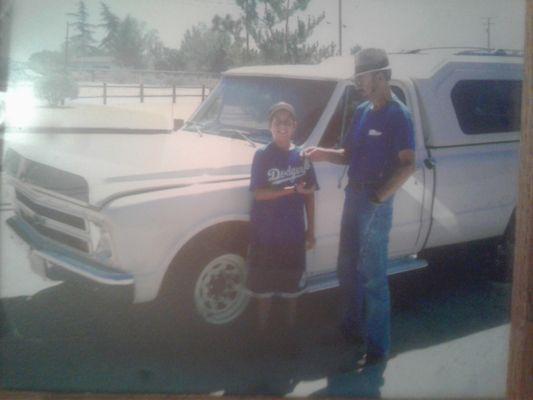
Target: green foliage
x=110 y=23
x=266 y=32
x=169 y=60
x=82 y=43
x=126 y=40
x=268 y=22
x=46 y=61
x=55 y=88
x=130 y=43
x=271 y=30
x=204 y=49
x=249 y=20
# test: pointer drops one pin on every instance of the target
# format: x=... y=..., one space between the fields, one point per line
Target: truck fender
x=200 y=235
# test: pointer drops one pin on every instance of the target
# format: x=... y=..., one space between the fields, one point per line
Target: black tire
x=203 y=287
x=503 y=271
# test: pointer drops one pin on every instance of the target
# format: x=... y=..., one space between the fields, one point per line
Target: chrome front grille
x=55 y=215
x=46 y=177
x=57 y=225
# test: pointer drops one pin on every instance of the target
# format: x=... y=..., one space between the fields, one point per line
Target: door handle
x=430 y=163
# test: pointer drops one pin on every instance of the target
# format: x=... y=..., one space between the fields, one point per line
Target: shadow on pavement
x=365 y=383
x=64 y=340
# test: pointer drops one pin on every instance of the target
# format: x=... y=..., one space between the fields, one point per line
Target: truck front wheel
x=205 y=285
x=219 y=297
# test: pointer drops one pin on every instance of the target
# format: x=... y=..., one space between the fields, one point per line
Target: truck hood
x=114 y=165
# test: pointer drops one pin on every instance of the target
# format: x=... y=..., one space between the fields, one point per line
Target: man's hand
x=310 y=240
x=315 y=154
x=405 y=168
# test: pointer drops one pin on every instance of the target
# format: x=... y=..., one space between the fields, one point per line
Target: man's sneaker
x=360 y=362
x=369 y=359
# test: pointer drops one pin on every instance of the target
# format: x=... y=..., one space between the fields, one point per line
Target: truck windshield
x=239 y=106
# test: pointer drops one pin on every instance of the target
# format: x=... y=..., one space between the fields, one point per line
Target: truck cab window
x=240 y=105
x=399 y=94
x=487 y=106
x=341 y=119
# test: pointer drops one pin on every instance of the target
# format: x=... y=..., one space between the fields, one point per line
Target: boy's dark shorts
x=276 y=270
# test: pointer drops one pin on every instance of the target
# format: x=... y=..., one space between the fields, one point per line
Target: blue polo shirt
x=375 y=139
x=280 y=221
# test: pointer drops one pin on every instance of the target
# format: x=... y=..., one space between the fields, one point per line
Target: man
x=379 y=149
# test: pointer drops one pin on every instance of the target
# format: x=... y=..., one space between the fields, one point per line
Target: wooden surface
x=520 y=369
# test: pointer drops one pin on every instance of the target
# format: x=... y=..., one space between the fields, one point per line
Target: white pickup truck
x=162 y=213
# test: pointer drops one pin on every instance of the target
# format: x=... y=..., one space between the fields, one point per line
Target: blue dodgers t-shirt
x=280 y=221
x=375 y=139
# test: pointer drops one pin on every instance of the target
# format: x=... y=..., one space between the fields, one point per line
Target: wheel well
x=231 y=235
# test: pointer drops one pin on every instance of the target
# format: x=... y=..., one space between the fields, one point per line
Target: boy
x=283 y=184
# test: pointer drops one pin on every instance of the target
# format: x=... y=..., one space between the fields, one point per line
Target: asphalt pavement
x=450 y=328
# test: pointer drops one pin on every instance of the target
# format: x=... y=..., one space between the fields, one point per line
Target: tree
x=153 y=48
x=6 y=15
x=55 y=87
x=212 y=49
x=271 y=30
x=170 y=60
x=196 y=49
x=82 y=43
x=249 y=18
x=127 y=41
x=130 y=43
x=227 y=35
x=46 y=61
x=111 y=24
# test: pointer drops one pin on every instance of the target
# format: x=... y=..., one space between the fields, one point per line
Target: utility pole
x=488 y=24
x=247 y=26
x=247 y=16
x=66 y=48
x=286 y=40
x=340 y=27
x=66 y=43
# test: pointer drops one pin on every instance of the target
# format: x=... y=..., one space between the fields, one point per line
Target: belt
x=359 y=186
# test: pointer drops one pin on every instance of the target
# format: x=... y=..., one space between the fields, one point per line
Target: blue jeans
x=362 y=269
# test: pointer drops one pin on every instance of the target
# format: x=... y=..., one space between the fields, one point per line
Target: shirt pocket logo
x=373 y=132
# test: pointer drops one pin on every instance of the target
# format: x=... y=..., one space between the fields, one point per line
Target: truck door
x=412 y=213
x=408 y=204
x=332 y=180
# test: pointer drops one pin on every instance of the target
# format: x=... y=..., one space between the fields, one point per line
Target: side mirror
x=178 y=123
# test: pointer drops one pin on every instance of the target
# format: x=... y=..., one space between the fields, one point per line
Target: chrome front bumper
x=60 y=263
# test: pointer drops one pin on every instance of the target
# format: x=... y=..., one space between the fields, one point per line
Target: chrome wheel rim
x=219 y=295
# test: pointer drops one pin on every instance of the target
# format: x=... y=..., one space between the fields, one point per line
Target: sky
x=391 y=24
